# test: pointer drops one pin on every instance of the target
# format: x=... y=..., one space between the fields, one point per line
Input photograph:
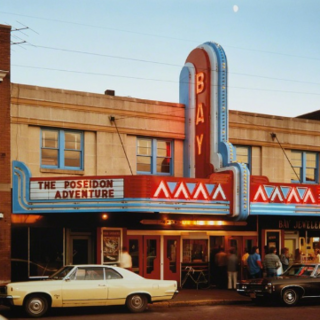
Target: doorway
x=145 y=253
x=80 y=248
x=149 y=253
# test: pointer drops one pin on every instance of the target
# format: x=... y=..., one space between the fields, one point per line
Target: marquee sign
x=284 y=198
x=31 y=195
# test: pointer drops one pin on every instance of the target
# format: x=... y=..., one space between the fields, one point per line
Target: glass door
x=152 y=257
x=171 y=258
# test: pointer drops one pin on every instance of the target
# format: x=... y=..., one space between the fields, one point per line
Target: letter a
x=200 y=116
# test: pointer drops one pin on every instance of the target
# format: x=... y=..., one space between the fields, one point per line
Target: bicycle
x=197 y=276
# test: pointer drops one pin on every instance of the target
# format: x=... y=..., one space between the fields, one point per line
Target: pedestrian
x=271 y=262
x=221 y=263
x=254 y=263
x=125 y=259
x=232 y=268
x=244 y=264
x=284 y=258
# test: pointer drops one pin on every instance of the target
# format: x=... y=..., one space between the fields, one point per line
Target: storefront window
x=195 y=250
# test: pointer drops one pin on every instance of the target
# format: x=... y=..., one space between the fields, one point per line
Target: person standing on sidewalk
x=244 y=264
x=254 y=263
x=221 y=263
x=271 y=262
x=284 y=258
x=232 y=267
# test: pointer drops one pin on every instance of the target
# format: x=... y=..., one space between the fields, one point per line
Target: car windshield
x=300 y=270
x=60 y=274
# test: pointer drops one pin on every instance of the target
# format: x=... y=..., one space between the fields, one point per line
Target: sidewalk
x=210 y=296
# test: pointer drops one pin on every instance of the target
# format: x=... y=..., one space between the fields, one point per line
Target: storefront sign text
x=297 y=224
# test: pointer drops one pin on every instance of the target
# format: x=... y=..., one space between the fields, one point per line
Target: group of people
x=228 y=265
x=271 y=263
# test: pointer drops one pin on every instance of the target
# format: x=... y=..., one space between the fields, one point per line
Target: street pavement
x=194 y=297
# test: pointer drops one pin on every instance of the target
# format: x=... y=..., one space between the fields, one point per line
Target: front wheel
x=36 y=306
x=137 y=303
x=290 y=297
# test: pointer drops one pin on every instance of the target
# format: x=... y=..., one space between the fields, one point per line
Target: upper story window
x=243 y=154
x=61 y=149
x=154 y=156
x=305 y=165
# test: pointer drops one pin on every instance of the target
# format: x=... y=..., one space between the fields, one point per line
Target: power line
x=159 y=80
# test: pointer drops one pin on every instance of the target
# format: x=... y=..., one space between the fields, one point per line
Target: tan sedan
x=87 y=285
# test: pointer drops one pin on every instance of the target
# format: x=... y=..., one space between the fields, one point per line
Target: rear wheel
x=290 y=297
x=36 y=305
x=137 y=303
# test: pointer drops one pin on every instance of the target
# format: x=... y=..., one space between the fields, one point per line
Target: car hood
x=38 y=283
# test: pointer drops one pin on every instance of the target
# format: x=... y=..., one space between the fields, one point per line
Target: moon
x=235 y=8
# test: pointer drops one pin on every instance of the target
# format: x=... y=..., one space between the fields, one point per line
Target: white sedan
x=87 y=285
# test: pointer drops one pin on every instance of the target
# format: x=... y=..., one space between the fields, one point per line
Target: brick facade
x=5 y=160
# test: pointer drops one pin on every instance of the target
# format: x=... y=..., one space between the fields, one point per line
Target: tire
x=290 y=297
x=36 y=305
x=137 y=303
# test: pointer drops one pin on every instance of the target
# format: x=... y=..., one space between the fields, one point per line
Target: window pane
x=144 y=164
x=296 y=158
x=310 y=175
x=163 y=149
x=144 y=147
x=311 y=160
x=163 y=165
x=72 y=159
x=49 y=139
x=72 y=140
x=49 y=157
x=296 y=174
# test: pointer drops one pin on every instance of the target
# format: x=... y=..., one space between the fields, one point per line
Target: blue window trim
x=302 y=169
x=154 y=157
x=61 y=149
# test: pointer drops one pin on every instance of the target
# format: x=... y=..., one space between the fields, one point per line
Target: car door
x=118 y=288
x=85 y=287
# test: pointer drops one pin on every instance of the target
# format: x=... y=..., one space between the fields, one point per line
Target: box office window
x=195 y=250
x=154 y=156
x=305 y=167
x=61 y=149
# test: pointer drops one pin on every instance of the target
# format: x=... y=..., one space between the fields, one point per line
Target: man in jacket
x=271 y=262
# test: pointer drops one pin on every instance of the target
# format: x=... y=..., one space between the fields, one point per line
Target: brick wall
x=5 y=157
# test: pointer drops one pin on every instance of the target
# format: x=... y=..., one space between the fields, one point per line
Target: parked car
x=298 y=282
x=87 y=285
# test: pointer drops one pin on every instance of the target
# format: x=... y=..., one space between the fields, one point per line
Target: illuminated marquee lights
x=284 y=194
x=191 y=191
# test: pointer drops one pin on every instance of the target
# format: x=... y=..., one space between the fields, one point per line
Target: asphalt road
x=305 y=311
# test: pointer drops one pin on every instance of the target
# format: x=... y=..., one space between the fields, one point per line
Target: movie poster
x=111 y=246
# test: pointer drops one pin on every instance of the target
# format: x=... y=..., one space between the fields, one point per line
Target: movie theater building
x=89 y=173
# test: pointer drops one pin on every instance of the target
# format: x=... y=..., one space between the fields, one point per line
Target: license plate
x=252 y=295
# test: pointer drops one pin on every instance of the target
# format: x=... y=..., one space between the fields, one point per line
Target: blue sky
x=138 y=48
